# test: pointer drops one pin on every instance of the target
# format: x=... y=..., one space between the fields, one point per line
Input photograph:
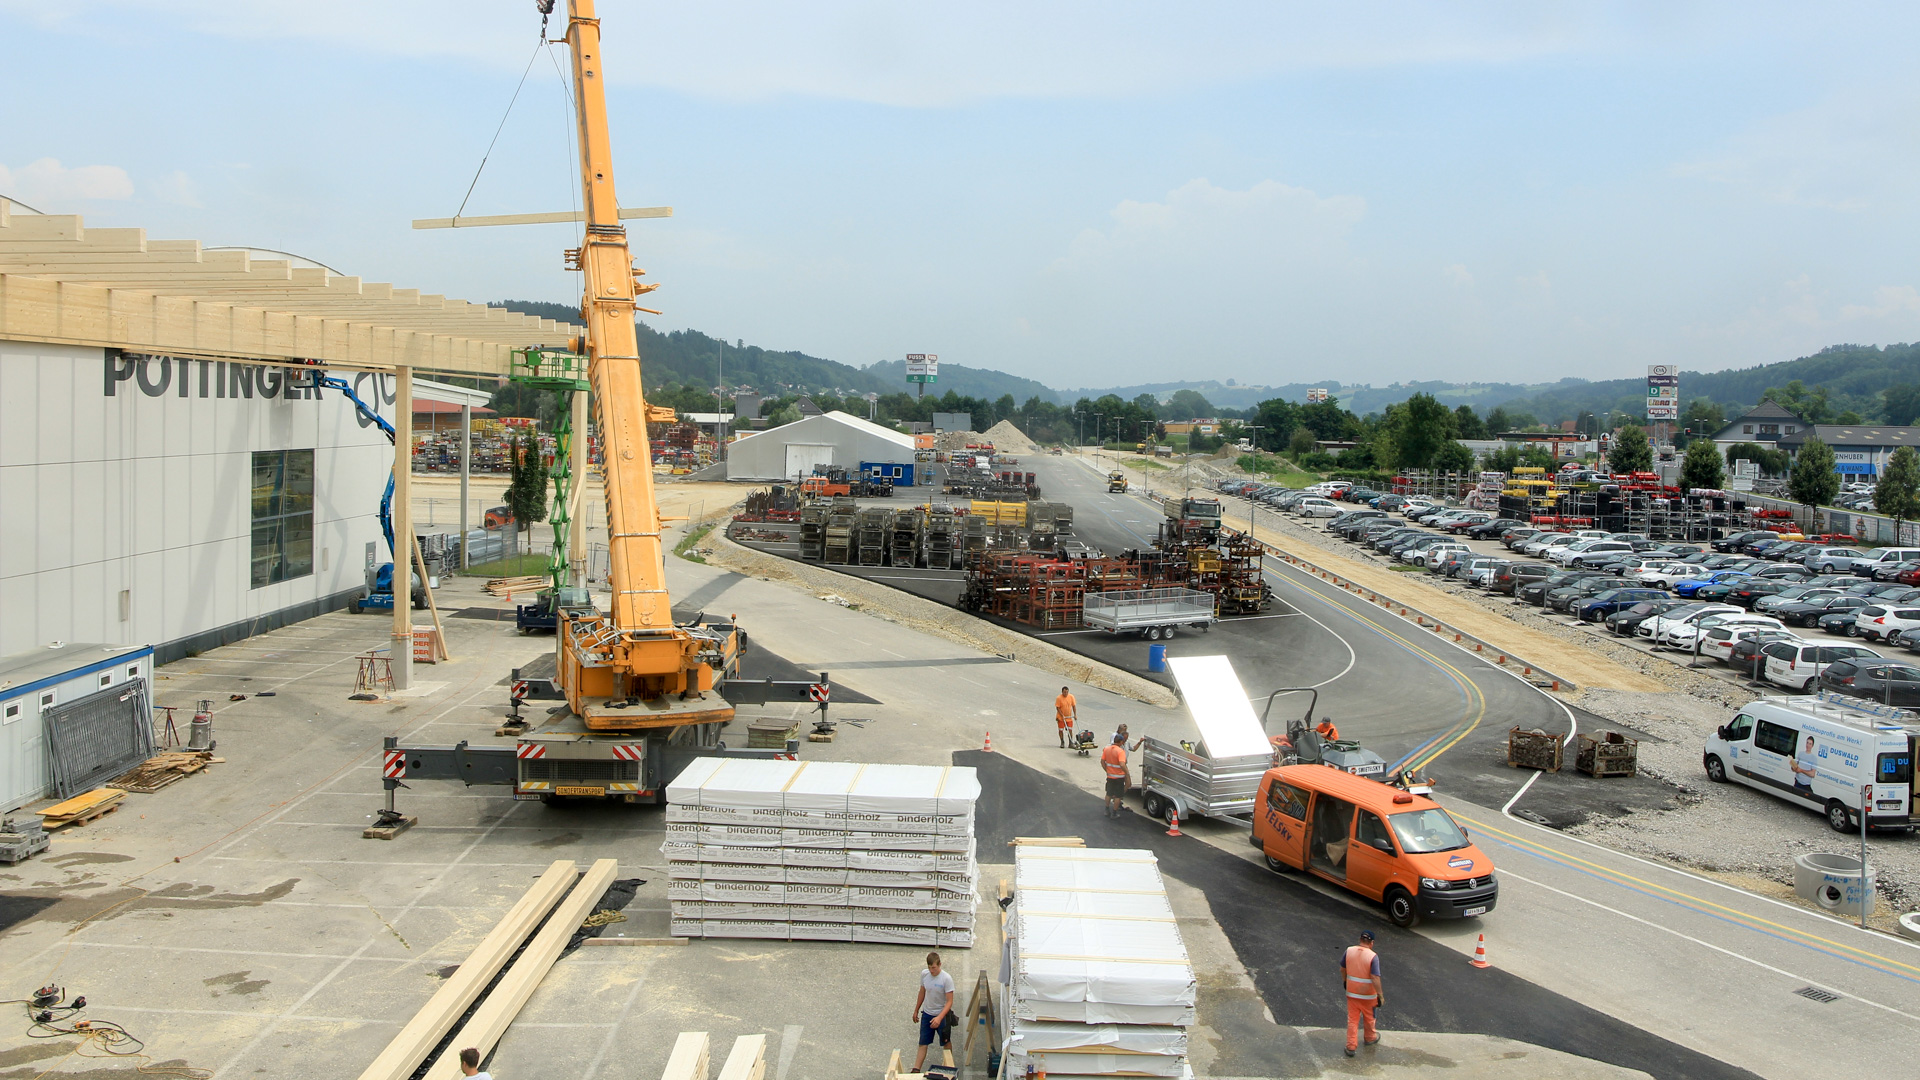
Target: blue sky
x=1086 y=194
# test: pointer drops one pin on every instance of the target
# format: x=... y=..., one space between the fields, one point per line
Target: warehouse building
x=1859 y=450
x=835 y=439
x=169 y=474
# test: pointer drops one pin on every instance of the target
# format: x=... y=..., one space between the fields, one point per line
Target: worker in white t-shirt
x=470 y=1065
x=933 y=1009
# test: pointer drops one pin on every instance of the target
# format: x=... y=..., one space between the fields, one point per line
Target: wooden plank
x=433 y=608
x=535 y=219
x=691 y=1058
x=484 y=1028
x=82 y=803
x=404 y=1054
x=747 y=1060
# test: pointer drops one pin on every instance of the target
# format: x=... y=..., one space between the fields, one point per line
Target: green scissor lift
x=562 y=374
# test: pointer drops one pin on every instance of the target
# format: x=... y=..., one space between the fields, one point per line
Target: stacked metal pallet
x=838 y=547
x=813 y=530
x=1097 y=978
x=905 y=537
x=870 y=531
x=937 y=540
x=822 y=851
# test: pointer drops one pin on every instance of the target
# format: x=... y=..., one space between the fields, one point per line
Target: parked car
x=1624 y=622
x=1514 y=538
x=1513 y=576
x=1736 y=646
x=1793 y=595
x=1427 y=554
x=1891 y=682
x=1734 y=540
x=1539 y=546
x=1798 y=664
x=1480 y=572
x=1889 y=621
x=1563 y=598
x=1692 y=585
x=1443 y=562
x=1673 y=574
x=1490 y=529
x=1873 y=563
x=1752 y=589
x=1683 y=635
x=1808 y=612
x=1840 y=622
x=1833 y=560
x=1567 y=554
x=1654 y=629
x=1604 y=603
x=1317 y=507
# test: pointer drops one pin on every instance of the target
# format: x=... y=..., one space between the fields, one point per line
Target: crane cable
x=502 y=127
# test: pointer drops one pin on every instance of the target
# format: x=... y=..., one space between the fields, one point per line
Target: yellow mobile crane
x=643 y=693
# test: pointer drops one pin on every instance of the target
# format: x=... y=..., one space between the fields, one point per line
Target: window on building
x=13 y=711
x=1769 y=429
x=46 y=700
x=282 y=515
x=1789 y=430
x=133 y=672
x=106 y=678
x=1746 y=429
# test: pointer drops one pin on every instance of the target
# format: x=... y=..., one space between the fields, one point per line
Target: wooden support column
x=466 y=469
x=402 y=642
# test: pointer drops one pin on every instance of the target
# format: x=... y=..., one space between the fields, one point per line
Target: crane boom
x=631 y=668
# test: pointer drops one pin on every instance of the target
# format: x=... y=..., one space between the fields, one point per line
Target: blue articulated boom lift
x=379 y=595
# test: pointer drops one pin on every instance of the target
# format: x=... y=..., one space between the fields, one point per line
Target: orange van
x=1377 y=840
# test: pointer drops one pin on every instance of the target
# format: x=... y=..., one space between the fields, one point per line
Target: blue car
x=1598 y=607
x=1689 y=586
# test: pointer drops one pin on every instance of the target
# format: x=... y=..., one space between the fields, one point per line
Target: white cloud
x=1269 y=223
x=48 y=185
x=1853 y=151
x=914 y=55
x=1457 y=275
x=1888 y=301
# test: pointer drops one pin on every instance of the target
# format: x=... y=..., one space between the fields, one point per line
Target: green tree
x=1902 y=403
x=1467 y=423
x=1849 y=418
x=1186 y=405
x=1414 y=431
x=1897 y=495
x=1630 y=452
x=1772 y=461
x=1302 y=442
x=1702 y=468
x=1508 y=458
x=526 y=482
x=1453 y=457
x=1813 y=481
x=1702 y=418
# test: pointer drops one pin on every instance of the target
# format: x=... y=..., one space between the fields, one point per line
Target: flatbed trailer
x=1151 y=613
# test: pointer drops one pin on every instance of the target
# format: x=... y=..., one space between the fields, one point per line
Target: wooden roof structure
x=65 y=283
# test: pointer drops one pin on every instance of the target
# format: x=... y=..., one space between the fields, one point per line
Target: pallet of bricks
x=822 y=851
x=1098 y=979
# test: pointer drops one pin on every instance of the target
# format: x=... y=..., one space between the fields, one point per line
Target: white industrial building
x=168 y=477
x=836 y=438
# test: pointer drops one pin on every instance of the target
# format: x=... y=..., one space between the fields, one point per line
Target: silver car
x=1834 y=560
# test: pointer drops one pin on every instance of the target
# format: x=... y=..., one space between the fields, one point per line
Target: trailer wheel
x=1155 y=805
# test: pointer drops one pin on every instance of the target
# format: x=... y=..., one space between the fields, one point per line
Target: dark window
x=1841 y=669
x=1746 y=429
x=1741 y=727
x=282 y=515
x=1371 y=831
x=1288 y=800
x=1780 y=650
x=1895 y=769
x=1775 y=739
x=1769 y=429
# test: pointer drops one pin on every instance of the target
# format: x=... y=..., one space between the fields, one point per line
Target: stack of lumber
x=507 y=586
x=81 y=809
x=822 y=851
x=1100 y=983
x=555 y=906
x=162 y=769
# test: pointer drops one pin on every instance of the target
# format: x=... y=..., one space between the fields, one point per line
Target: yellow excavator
x=643 y=693
x=1116 y=481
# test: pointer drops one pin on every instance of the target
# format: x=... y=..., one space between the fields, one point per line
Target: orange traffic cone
x=989 y=747
x=1480 y=953
x=1173 y=822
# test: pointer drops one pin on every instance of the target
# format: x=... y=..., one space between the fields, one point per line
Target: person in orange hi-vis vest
x=1326 y=730
x=1360 y=974
x=1114 y=760
x=1066 y=712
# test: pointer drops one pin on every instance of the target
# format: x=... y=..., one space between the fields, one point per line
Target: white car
x=1683 y=635
x=1314 y=506
x=1539 y=548
x=1428 y=555
x=1480 y=572
x=1720 y=640
x=1798 y=664
x=1666 y=577
x=1565 y=553
x=1888 y=622
x=1594 y=534
x=1657 y=627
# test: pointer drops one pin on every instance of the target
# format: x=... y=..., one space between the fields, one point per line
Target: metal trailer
x=1174 y=778
x=1151 y=613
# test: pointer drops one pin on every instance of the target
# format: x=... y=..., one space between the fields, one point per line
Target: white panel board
x=1219 y=706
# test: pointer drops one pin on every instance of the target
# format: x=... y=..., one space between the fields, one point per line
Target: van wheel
x=1837 y=816
x=1276 y=865
x=1807 y=687
x=1401 y=910
x=1716 y=769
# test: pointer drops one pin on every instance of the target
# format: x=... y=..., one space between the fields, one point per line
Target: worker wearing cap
x=1326 y=730
x=1114 y=760
x=1360 y=973
x=1066 y=712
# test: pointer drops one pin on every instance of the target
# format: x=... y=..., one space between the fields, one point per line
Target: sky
x=1088 y=194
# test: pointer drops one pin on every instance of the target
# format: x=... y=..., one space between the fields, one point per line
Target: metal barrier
x=98 y=736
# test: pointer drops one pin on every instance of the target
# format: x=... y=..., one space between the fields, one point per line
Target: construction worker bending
x=1066 y=713
x=1114 y=760
x=1360 y=973
x=1326 y=730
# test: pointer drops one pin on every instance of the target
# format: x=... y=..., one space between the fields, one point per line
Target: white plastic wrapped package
x=1087 y=943
x=1034 y=1036
x=835 y=786
x=1073 y=1062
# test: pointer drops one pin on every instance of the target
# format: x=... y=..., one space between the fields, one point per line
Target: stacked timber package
x=822 y=851
x=1097 y=979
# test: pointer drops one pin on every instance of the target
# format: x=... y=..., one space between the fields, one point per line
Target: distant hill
x=1854 y=376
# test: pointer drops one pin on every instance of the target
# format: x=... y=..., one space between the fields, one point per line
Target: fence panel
x=98 y=737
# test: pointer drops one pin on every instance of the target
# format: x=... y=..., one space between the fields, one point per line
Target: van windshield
x=1422 y=831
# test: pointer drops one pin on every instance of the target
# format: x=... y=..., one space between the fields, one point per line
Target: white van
x=1865 y=565
x=1818 y=753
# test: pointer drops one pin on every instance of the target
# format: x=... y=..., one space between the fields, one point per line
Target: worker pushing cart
x=1066 y=713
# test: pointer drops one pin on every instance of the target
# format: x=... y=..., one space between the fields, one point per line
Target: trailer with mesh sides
x=1151 y=613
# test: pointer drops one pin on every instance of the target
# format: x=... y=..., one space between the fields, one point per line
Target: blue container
x=1156 y=658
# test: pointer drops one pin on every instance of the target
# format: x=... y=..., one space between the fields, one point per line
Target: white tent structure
x=834 y=438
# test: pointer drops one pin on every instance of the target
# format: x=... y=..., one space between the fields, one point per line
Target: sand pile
x=1007 y=438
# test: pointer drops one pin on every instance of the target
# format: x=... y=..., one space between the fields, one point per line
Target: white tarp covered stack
x=1097 y=980
x=822 y=851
